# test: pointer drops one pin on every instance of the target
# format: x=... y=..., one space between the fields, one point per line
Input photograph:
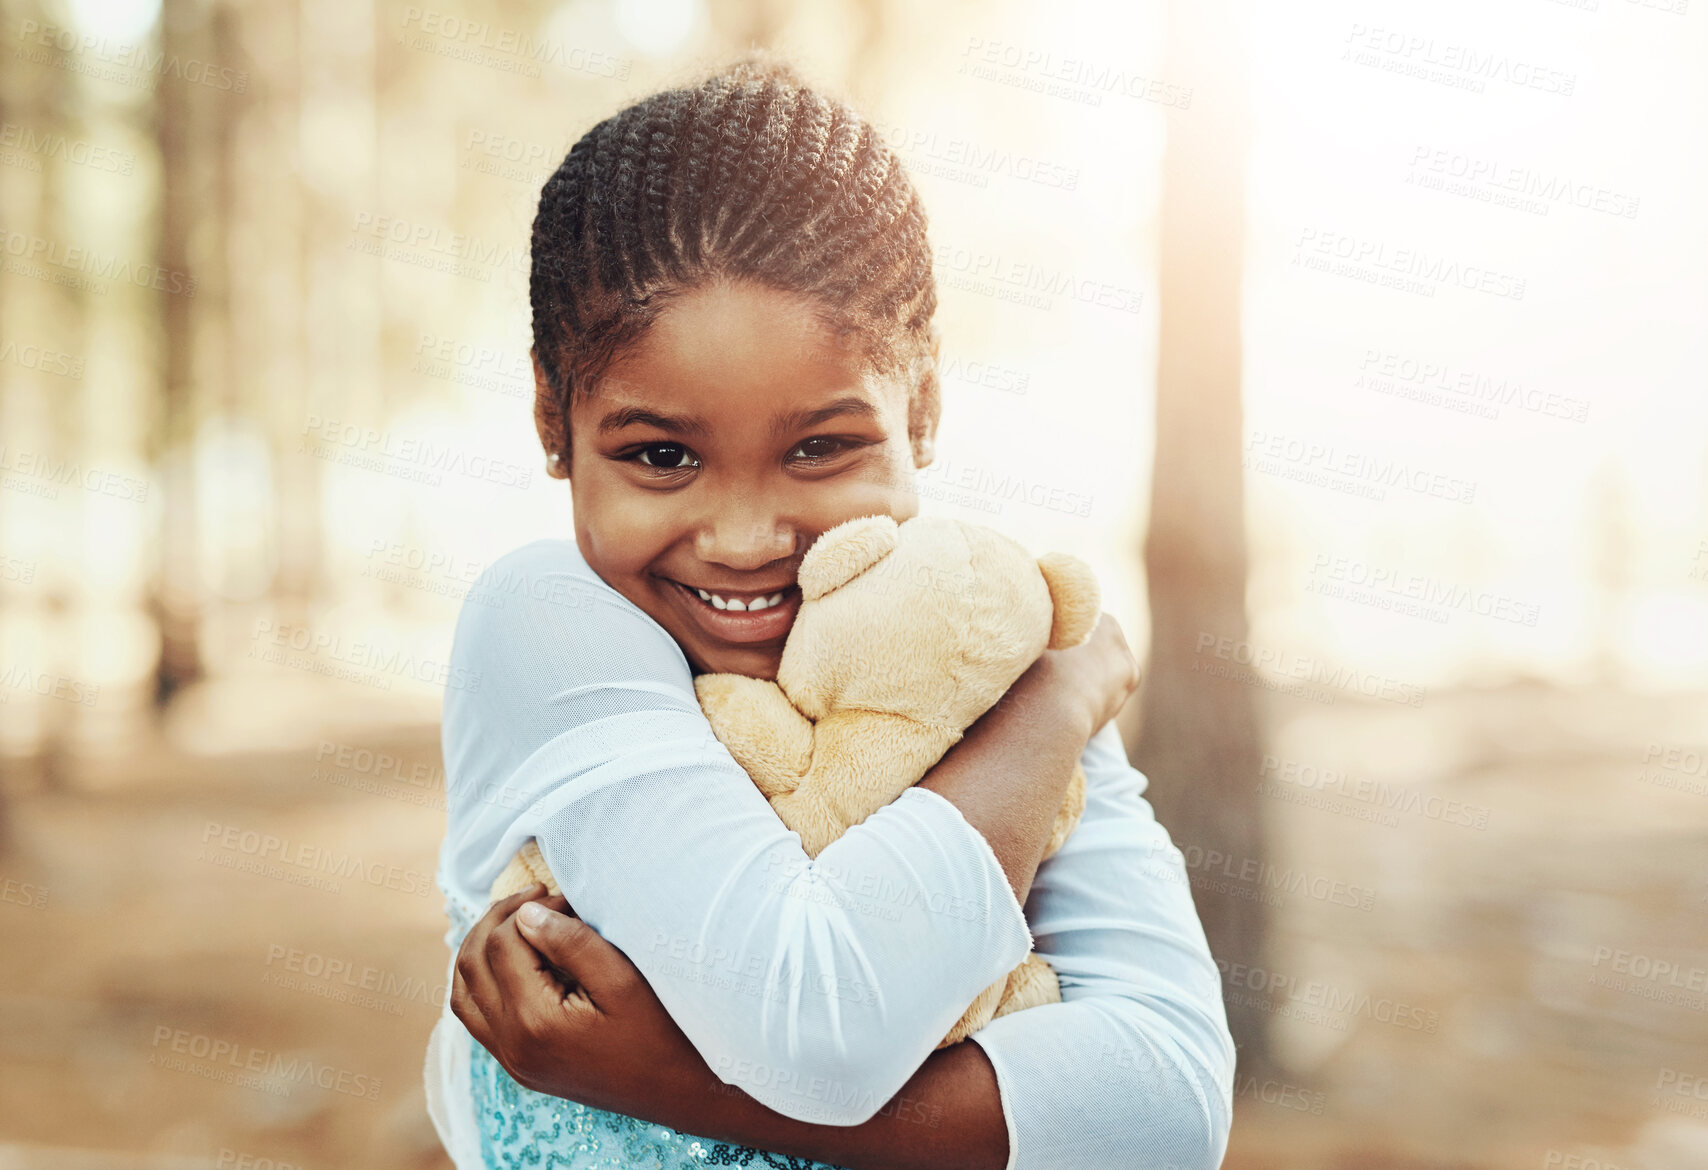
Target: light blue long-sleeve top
x=818 y=986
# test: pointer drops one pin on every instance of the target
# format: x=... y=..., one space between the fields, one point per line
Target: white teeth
x=739 y=607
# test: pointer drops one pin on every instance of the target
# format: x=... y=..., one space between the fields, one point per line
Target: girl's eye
x=669 y=461
x=825 y=447
x=671 y=457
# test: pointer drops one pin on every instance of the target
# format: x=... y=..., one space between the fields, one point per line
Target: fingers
x=576 y=949
x=537 y=1000
x=473 y=966
x=466 y=1010
x=519 y=972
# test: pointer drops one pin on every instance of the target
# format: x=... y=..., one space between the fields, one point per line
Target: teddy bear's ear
x=842 y=553
x=1074 y=593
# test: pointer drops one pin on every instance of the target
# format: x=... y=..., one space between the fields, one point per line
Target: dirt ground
x=1527 y=992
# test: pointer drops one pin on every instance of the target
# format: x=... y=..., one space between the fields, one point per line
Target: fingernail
x=535 y=915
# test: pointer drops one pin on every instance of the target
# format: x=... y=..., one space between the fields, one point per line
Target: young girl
x=733 y=350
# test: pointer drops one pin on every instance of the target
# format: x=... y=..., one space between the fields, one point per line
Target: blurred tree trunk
x=7 y=112
x=175 y=600
x=1198 y=740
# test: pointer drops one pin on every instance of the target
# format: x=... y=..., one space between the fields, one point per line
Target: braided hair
x=748 y=174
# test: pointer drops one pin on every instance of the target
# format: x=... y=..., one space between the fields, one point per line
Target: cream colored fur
x=907 y=633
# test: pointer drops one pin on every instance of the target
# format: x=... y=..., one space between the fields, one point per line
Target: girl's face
x=715 y=451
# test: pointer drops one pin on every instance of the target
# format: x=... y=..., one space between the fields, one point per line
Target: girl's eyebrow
x=628 y=416
x=797 y=420
x=782 y=425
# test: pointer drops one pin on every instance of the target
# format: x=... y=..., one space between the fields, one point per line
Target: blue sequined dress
x=522 y=1128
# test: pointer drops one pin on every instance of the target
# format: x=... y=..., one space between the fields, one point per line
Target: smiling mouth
x=744 y=601
x=727 y=624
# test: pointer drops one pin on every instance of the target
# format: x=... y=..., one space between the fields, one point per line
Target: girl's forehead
x=739 y=345
x=715 y=319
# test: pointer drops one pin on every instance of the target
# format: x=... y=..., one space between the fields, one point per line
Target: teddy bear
x=906 y=634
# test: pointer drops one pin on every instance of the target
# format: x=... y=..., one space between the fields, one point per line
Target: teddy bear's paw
x=1068 y=815
x=1032 y=984
x=1075 y=595
x=525 y=869
x=754 y=719
x=980 y=1013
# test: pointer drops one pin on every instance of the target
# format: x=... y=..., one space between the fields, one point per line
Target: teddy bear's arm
x=861 y=761
x=754 y=719
x=820 y=778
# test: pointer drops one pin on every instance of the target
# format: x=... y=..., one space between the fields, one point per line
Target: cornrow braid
x=750 y=174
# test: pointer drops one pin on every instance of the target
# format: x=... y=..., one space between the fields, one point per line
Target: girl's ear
x=925 y=404
x=549 y=422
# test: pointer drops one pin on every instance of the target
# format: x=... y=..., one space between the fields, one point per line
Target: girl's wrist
x=1047 y=691
x=948 y=1114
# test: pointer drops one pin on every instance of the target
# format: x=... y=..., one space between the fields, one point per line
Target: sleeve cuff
x=993 y=1055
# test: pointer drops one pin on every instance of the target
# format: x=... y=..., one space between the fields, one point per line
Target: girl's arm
x=949 y=1114
x=995 y=780
x=575 y=723
x=1134 y=1067
x=566 y=1014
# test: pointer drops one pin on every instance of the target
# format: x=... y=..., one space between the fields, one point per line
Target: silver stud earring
x=554 y=461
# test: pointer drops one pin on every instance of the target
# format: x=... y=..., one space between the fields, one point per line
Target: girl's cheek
x=888 y=489
x=626 y=530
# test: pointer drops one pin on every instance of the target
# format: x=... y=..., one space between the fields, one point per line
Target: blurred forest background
x=1359 y=346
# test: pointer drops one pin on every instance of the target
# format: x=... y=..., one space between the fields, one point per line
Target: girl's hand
x=1101 y=672
x=567 y=1014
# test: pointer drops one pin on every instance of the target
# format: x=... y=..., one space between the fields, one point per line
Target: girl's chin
x=752 y=663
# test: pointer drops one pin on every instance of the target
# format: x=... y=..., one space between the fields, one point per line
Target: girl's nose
x=744 y=542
